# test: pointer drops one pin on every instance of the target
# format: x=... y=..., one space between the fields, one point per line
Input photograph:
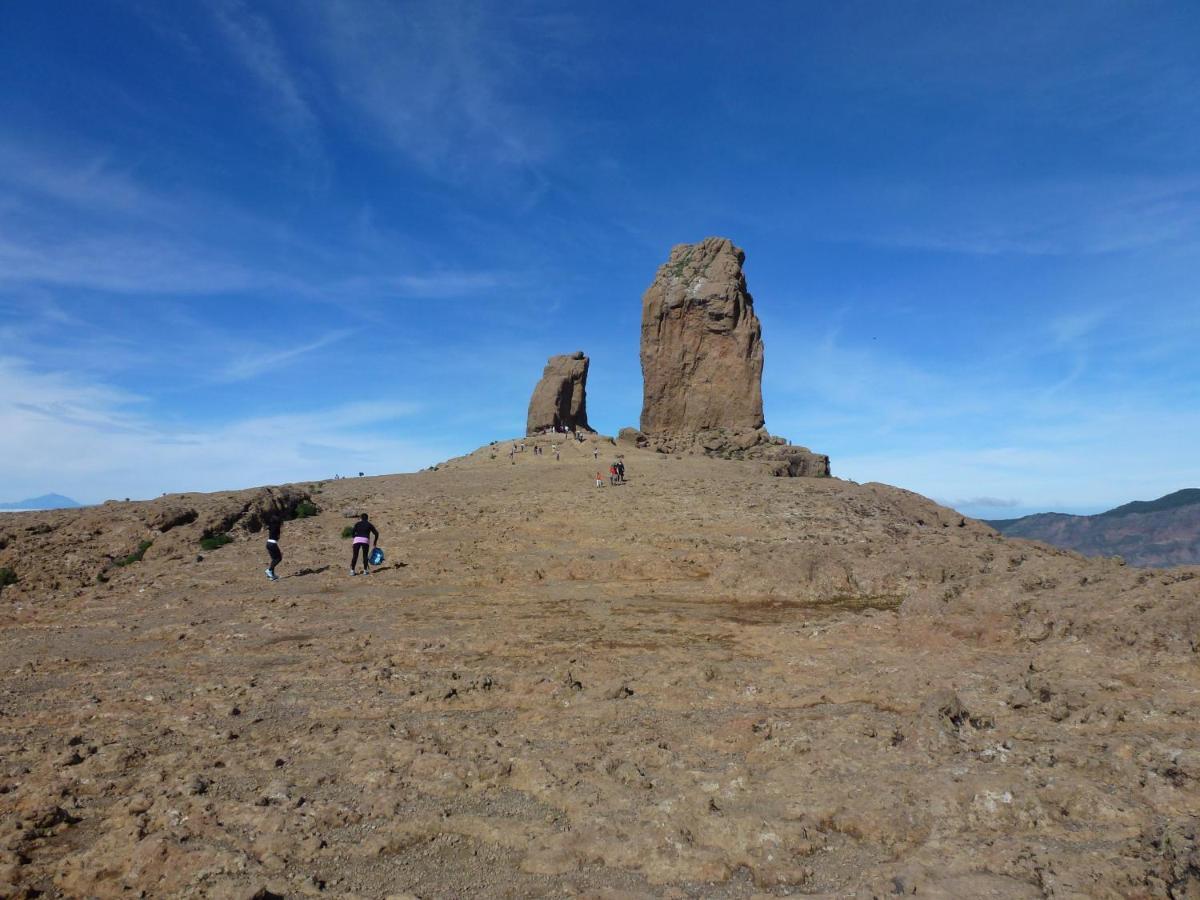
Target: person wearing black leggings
x=362 y=531
x=274 y=526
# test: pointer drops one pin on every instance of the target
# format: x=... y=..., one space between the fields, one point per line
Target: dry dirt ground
x=705 y=682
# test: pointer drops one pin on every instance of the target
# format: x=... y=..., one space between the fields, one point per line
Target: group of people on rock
x=361 y=535
x=576 y=433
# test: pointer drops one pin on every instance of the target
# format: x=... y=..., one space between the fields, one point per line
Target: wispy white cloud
x=444 y=82
x=124 y=263
x=251 y=365
x=994 y=428
x=96 y=442
x=87 y=180
x=431 y=286
x=1092 y=216
x=78 y=221
x=252 y=40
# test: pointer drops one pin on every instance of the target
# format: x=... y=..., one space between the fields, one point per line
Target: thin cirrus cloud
x=252 y=40
x=156 y=242
x=252 y=365
x=88 y=180
x=131 y=454
x=254 y=43
x=439 y=81
x=1093 y=216
x=124 y=264
x=993 y=432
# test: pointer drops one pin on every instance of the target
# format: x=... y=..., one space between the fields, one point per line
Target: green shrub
x=348 y=531
x=304 y=509
x=135 y=556
x=215 y=541
x=7 y=576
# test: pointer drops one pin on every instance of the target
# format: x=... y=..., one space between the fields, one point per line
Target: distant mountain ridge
x=46 y=501
x=1157 y=533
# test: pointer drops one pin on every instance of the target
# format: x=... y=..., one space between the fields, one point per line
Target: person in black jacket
x=274 y=526
x=363 y=531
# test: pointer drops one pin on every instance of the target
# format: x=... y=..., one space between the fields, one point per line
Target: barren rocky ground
x=705 y=682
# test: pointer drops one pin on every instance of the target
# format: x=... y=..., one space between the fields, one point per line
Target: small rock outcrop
x=560 y=398
x=702 y=350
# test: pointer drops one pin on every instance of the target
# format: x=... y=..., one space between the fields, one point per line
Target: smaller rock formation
x=560 y=398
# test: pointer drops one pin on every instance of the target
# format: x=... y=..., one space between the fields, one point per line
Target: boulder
x=251 y=512
x=797 y=462
x=632 y=436
x=702 y=350
x=560 y=398
x=172 y=516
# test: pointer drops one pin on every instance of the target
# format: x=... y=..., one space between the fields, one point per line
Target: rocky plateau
x=705 y=682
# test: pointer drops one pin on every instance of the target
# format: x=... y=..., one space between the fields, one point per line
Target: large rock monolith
x=560 y=398
x=702 y=363
x=702 y=351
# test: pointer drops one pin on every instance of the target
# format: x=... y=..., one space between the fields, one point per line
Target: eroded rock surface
x=560 y=398
x=701 y=349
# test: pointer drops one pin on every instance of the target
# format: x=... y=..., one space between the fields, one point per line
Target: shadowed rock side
x=560 y=398
x=702 y=351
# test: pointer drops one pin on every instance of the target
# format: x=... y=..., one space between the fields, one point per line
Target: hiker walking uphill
x=274 y=526
x=363 y=531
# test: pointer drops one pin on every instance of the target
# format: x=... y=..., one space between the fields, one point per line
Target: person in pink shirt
x=362 y=533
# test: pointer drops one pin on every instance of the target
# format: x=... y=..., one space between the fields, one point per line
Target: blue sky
x=246 y=243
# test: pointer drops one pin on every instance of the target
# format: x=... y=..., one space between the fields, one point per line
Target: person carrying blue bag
x=362 y=532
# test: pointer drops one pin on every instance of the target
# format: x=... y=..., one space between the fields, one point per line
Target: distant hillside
x=1162 y=532
x=46 y=501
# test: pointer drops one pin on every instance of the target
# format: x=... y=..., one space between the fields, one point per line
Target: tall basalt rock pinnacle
x=560 y=398
x=702 y=363
x=702 y=350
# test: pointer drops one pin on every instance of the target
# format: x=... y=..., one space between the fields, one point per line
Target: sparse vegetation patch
x=135 y=556
x=215 y=541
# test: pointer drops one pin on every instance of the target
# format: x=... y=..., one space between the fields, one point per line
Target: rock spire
x=702 y=350
x=560 y=398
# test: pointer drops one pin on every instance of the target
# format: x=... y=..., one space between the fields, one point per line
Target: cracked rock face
x=560 y=398
x=702 y=350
